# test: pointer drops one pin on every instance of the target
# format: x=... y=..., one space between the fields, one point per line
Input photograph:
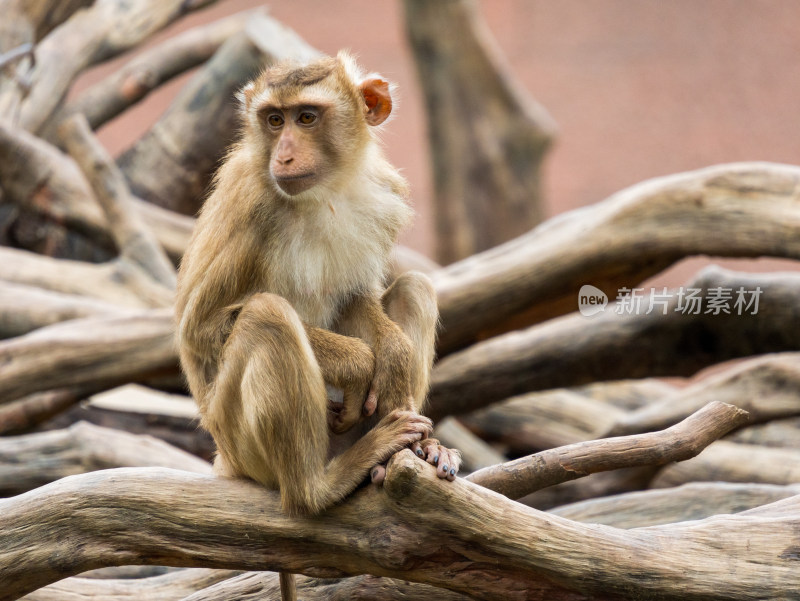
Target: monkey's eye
x=275 y=120
x=307 y=118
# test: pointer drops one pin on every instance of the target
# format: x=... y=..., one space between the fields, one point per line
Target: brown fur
x=280 y=292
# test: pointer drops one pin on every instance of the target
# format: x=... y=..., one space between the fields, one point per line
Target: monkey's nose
x=285 y=160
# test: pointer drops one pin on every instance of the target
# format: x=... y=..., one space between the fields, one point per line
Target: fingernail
x=436 y=460
x=419 y=452
x=453 y=472
x=443 y=467
x=374 y=473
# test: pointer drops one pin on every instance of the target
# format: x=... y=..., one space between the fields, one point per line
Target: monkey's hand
x=395 y=432
x=391 y=385
x=351 y=377
x=447 y=461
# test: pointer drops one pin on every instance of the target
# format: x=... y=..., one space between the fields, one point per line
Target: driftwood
x=524 y=476
x=487 y=138
x=35 y=459
x=57 y=213
x=112 y=350
x=766 y=387
x=575 y=349
x=621 y=241
x=135 y=241
x=527 y=555
x=731 y=462
x=172 y=164
x=87 y=37
x=778 y=433
x=25 y=413
x=695 y=501
x=119 y=282
x=166 y=587
x=135 y=80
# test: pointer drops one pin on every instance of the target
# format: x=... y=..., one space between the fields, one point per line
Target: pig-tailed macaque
x=281 y=295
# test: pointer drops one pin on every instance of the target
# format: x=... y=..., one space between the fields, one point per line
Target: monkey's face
x=296 y=160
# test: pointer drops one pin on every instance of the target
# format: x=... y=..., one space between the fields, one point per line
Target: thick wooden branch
x=36 y=459
x=575 y=349
x=119 y=282
x=109 y=351
x=48 y=186
x=29 y=411
x=766 y=387
x=682 y=441
x=487 y=177
x=27 y=308
x=733 y=462
x=172 y=164
x=89 y=36
x=695 y=501
x=493 y=548
x=753 y=208
x=144 y=73
x=135 y=241
x=165 y=587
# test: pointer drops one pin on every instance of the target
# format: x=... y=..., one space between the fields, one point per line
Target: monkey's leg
x=268 y=413
x=411 y=303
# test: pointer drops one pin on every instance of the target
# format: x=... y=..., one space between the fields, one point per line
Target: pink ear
x=377 y=99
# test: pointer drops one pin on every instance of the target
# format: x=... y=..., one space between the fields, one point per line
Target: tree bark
x=487 y=138
x=155 y=515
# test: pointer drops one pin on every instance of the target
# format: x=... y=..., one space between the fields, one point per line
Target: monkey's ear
x=378 y=100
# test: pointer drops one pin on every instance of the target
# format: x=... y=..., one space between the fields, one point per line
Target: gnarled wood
x=753 y=208
x=575 y=349
x=129 y=516
x=523 y=476
x=33 y=460
x=487 y=138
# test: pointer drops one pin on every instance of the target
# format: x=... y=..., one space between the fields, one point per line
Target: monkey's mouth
x=297 y=183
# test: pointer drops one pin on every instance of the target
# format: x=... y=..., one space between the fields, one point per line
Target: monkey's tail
x=288 y=587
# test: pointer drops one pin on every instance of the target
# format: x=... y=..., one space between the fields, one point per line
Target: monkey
x=281 y=294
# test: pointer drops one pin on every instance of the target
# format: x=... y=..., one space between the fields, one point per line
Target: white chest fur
x=330 y=250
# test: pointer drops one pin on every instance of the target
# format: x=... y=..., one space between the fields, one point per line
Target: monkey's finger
x=448 y=464
x=378 y=474
x=371 y=403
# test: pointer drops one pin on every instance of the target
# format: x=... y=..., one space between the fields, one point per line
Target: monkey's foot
x=447 y=461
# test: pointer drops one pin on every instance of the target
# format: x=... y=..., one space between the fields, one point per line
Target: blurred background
x=637 y=89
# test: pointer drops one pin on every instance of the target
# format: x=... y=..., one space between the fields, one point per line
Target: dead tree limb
x=766 y=387
x=52 y=194
x=754 y=209
x=172 y=164
x=135 y=241
x=25 y=413
x=487 y=138
x=493 y=548
x=109 y=351
x=144 y=73
x=117 y=282
x=165 y=587
x=733 y=462
x=27 y=308
x=694 y=501
x=575 y=349
x=777 y=433
x=523 y=476
x=36 y=459
x=89 y=36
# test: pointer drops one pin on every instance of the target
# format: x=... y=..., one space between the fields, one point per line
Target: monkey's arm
x=391 y=386
x=347 y=363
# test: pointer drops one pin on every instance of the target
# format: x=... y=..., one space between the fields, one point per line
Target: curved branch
x=752 y=208
x=575 y=349
x=493 y=548
x=523 y=476
x=135 y=241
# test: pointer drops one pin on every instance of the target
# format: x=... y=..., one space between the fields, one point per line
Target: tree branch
x=526 y=475
x=493 y=548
